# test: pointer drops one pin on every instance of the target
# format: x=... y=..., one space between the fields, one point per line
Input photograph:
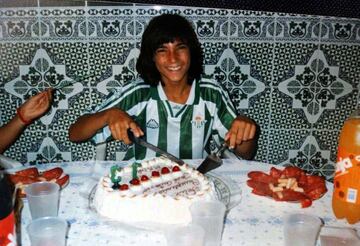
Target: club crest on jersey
x=152 y=124
x=198 y=122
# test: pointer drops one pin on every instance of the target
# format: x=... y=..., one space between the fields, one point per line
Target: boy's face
x=173 y=61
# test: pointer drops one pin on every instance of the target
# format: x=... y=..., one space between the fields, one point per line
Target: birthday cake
x=156 y=190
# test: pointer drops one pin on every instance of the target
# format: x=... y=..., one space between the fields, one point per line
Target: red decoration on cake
x=165 y=170
x=155 y=174
x=176 y=169
x=135 y=182
x=144 y=178
x=124 y=187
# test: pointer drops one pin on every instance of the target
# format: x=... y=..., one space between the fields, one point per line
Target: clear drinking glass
x=210 y=216
x=301 y=229
x=47 y=231
x=43 y=198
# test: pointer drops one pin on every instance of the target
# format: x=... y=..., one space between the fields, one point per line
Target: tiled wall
x=297 y=76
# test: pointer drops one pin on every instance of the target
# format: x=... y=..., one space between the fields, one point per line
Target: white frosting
x=165 y=199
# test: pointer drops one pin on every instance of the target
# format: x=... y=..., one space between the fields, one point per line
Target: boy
x=172 y=104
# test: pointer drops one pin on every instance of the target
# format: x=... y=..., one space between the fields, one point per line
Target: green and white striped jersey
x=182 y=130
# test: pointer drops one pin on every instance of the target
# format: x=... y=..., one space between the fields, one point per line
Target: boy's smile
x=173 y=61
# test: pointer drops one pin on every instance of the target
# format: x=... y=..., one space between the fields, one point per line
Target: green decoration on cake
x=115 y=178
x=135 y=166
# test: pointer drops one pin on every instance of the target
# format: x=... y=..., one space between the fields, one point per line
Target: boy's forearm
x=86 y=126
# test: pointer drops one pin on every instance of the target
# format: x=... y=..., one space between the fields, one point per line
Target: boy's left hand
x=242 y=129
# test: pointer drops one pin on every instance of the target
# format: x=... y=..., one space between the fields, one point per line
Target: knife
x=142 y=142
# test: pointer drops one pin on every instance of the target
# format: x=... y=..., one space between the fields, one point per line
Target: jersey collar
x=157 y=93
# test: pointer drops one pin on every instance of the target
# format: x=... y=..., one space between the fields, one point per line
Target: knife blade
x=142 y=142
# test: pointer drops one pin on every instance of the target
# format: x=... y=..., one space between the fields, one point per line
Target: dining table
x=250 y=220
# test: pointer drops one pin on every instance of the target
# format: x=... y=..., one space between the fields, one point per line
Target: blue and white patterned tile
x=259 y=108
x=42 y=73
x=63 y=24
x=19 y=25
x=28 y=143
x=315 y=86
x=13 y=56
x=346 y=59
x=116 y=150
x=47 y=151
x=340 y=30
x=8 y=109
x=140 y=24
x=119 y=74
x=298 y=29
x=311 y=158
x=81 y=151
x=72 y=55
x=21 y=87
x=194 y=11
x=111 y=24
x=67 y=115
x=78 y=105
x=357 y=33
x=210 y=26
x=251 y=28
x=281 y=142
x=287 y=55
x=60 y=149
x=262 y=151
x=1 y=80
x=283 y=115
x=108 y=62
x=333 y=119
x=327 y=139
x=258 y=55
x=149 y=10
x=252 y=13
x=212 y=52
x=236 y=78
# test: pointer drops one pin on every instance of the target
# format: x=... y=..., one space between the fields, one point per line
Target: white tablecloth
x=255 y=220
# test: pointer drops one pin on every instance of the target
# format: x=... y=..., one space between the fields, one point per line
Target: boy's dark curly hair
x=164 y=29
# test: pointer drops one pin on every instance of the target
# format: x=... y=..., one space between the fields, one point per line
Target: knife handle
x=132 y=136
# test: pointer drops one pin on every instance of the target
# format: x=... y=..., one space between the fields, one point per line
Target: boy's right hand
x=119 y=122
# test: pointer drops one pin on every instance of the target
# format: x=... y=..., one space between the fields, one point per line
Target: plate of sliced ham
x=292 y=184
x=24 y=177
